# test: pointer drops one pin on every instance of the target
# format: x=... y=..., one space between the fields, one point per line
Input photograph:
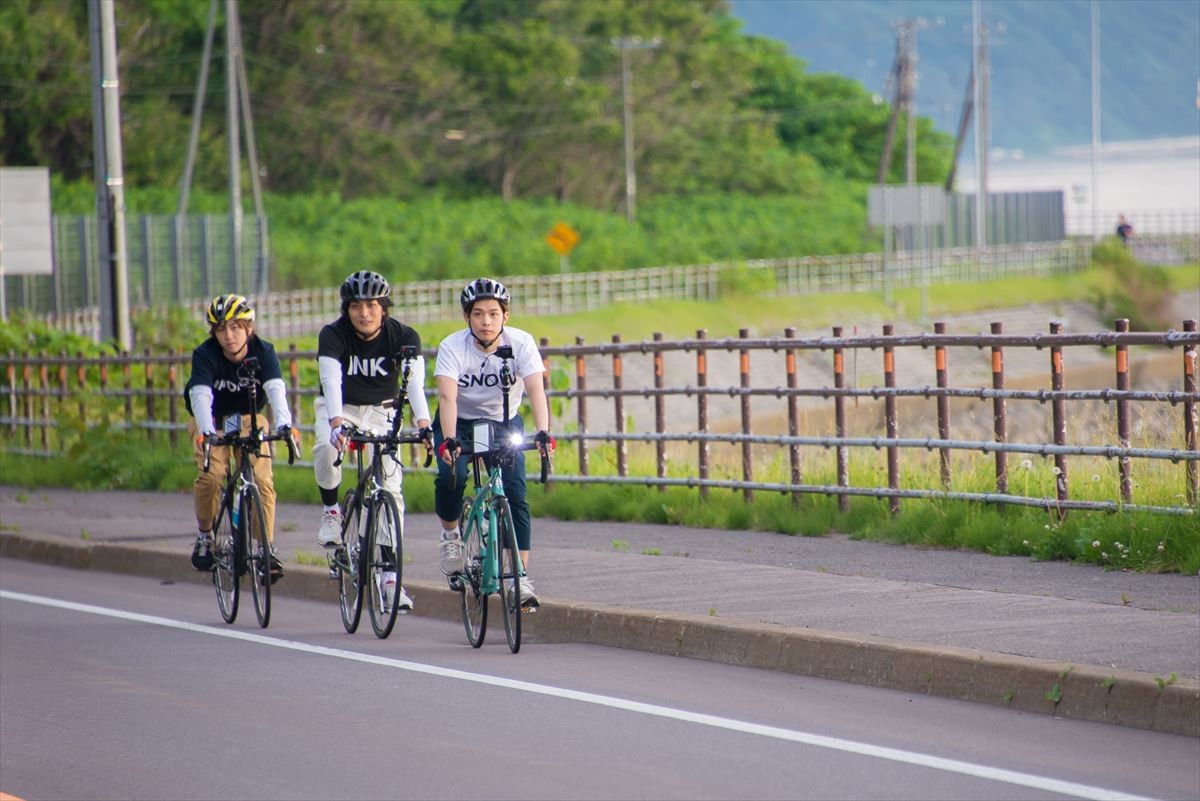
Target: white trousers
x=375 y=419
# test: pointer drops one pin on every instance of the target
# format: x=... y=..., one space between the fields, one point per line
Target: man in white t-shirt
x=468 y=382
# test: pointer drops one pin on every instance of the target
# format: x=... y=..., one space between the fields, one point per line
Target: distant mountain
x=1040 y=57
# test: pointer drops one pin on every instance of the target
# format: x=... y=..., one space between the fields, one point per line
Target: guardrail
x=302 y=312
x=44 y=398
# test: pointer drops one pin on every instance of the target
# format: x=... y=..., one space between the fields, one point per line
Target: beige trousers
x=206 y=490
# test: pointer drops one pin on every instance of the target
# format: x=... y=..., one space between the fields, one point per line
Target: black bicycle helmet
x=365 y=285
x=484 y=289
x=229 y=307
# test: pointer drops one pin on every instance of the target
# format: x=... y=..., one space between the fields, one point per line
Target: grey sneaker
x=330 y=535
x=451 y=553
x=529 y=599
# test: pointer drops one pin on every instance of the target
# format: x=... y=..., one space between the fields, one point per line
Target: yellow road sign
x=563 y=238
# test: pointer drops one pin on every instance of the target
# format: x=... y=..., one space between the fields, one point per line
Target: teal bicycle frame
x=491 y=559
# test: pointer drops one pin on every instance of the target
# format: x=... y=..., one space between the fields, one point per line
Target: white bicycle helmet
x=484 y=289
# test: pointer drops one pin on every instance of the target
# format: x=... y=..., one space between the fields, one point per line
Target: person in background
x=1124 y=230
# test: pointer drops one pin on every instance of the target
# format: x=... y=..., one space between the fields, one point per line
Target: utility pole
x=197 y=110
x=978 y=53
x=625 y=44
x=110 y=179
x=904 y=73
x=1095 y=193
x=233 y=130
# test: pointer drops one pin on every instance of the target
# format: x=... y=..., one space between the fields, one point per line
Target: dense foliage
x=473 y=98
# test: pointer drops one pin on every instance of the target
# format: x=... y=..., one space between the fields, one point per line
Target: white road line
x=745 y=727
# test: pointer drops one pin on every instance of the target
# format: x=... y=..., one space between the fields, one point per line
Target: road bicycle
x=491 y=559
x=372 y=542
x=240 y=544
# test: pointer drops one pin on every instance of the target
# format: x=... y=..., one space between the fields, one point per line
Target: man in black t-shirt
x=217 y=401
x=356 y=360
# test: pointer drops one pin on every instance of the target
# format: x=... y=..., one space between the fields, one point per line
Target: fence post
x=889 y=406
x=62 y=393
x=999 y=419
x=660 y=416
x=149 y=397
x=1122 y=327
x=581 y=407
x=1059 y=418
x=44 y=387
x=10 y=378
x=839 y=413
x=81 y=383
x=747 y=448
x=618 y=406
x=26 y=378
x=294 y=381
x=793 y=414
x=126 y=369
x=173 y=397
x=702 y=410
x=943 y=406
x=1189 y=413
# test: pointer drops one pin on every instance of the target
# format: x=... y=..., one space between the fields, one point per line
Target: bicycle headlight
x=516 y=439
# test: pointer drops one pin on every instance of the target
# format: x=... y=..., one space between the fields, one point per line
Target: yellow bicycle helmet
x=229 y=307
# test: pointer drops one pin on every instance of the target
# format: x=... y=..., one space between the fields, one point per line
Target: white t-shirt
x=478 y=373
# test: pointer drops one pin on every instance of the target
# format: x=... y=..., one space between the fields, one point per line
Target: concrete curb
x=1083 y=692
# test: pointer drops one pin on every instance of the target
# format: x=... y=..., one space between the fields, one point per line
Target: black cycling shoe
x=202 y=559
x=276 y=569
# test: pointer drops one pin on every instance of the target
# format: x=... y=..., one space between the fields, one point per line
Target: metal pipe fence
x=714 y=414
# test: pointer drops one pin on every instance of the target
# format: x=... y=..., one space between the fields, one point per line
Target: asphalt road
x=125 y=687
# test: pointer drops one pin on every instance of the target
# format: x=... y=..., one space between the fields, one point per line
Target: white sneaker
x=529 y=599
x=451 y=553
x=330 y=534
x=388 y=591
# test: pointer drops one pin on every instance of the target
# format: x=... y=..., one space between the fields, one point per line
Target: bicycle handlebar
x=249 y=442
x=357 y=437
x=508 y=448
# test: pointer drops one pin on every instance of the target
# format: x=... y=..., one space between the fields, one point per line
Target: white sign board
x=906 y=205
x=25 y=241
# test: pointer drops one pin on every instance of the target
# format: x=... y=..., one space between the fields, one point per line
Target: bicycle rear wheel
x=350 y=564
x=258 y=553
x=224 y=550
x=510 y=573
x=471 y=596
x=384 y=554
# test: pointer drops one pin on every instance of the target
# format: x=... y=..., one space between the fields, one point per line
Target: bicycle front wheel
x=472 y=598
x=510 y=573
x=224 y=550
x=258 y=553
x=384 y=562
x=350 y=564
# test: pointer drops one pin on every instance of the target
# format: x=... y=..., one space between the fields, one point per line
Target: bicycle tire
x=224 y=551
x=350 y=569
x=258 y=553
x=510 y=573
x=471 y=598
x=382 y=558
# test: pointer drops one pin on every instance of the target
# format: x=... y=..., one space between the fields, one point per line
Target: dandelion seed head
x=1095 y=543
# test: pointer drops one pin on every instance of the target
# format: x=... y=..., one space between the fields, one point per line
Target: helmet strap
x=486 y=345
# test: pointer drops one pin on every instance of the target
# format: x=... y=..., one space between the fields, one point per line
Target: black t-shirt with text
x=369 y=375
x=211 y=368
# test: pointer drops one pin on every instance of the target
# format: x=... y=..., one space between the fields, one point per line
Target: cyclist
x=214 y=396
x=468 y=381
x=355 y=360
